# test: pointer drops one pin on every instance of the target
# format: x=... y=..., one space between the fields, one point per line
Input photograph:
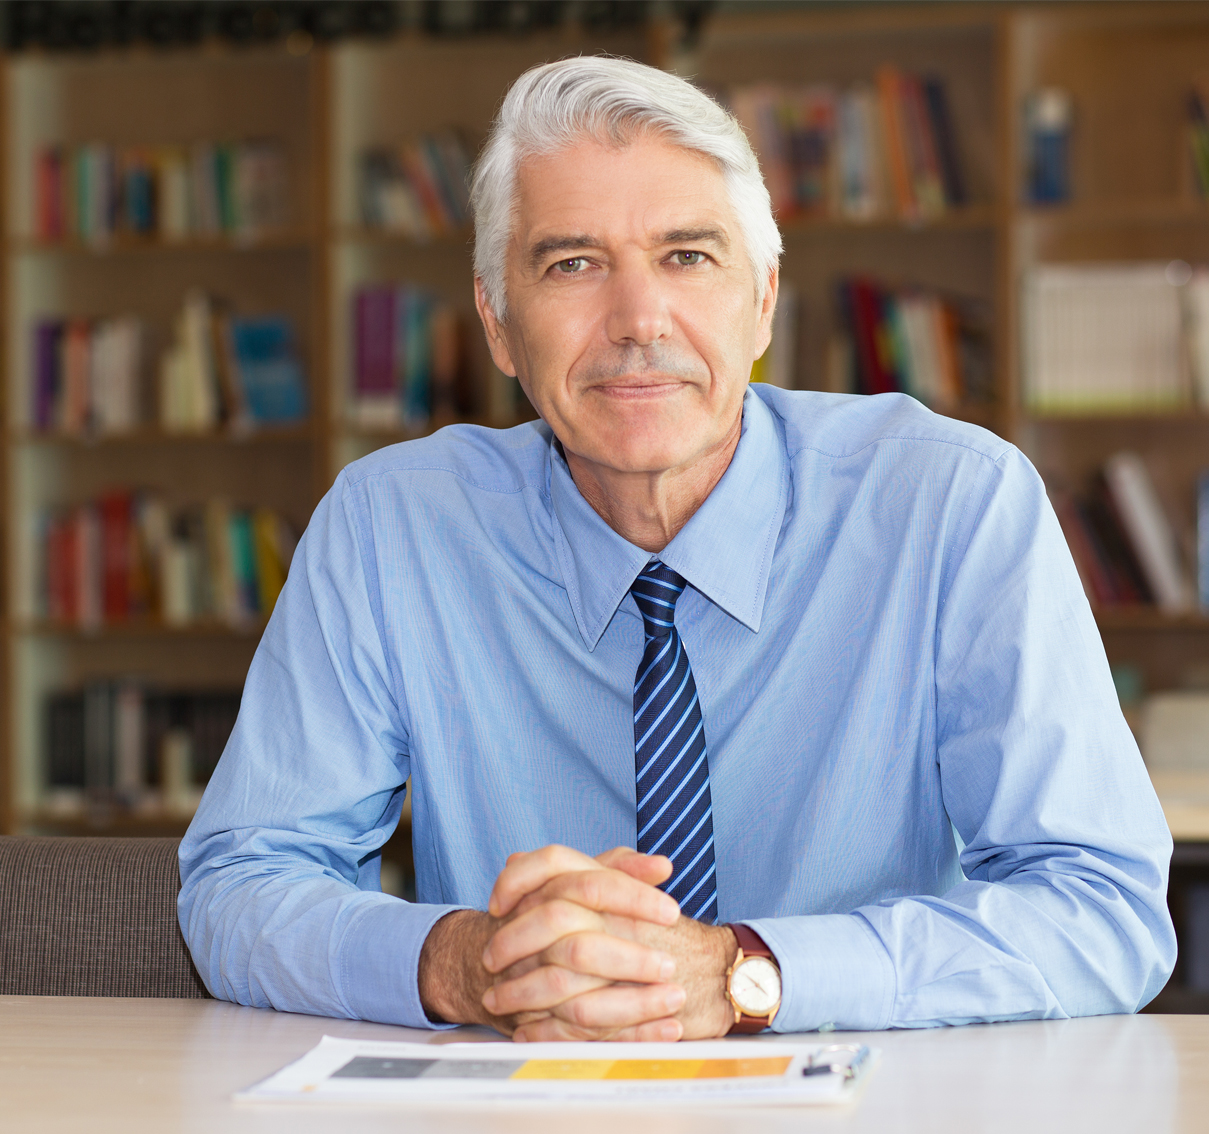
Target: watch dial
x=756 y=986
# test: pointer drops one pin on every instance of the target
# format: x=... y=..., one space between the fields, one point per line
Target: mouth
x=637 y=387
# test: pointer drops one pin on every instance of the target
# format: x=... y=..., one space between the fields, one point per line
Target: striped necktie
x=675 y=814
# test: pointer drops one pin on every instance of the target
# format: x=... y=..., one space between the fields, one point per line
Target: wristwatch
x=753 y=982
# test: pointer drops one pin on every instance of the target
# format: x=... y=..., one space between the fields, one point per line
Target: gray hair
x=610 y=100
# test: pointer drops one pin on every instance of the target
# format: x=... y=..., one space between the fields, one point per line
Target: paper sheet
x=725 y=1072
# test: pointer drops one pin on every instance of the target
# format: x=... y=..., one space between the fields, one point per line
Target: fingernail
x=487 y=960
x=667 y=968
x=489 y=1000
x=673 y=999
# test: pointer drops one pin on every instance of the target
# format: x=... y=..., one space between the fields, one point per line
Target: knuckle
x=559 y=980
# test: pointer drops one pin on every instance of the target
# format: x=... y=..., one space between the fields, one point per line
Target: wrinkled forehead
x=651 y=184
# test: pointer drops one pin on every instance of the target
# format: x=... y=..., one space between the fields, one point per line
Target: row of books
x=238 y=371
x=95 y=192
x=912 y=341
x=874 y=150
x=419 y=189
x=408 y=357
x=242 y=371
x=1116 y=338
x=129 y=745
x=127 y=557
x=87 y=375
x=1124 y=543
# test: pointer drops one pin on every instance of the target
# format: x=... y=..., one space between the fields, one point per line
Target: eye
x=687 y=259
x=571 y=266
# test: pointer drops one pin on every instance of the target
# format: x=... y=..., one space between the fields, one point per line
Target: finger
x=543 y=988
x=607 y=891
x=536 y=930
x=606 y=955
x=650 y=868
x=527 y=871
x=621 y=1006
x=552 y=1029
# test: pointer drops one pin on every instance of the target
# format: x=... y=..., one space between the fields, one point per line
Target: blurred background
x=236 y=252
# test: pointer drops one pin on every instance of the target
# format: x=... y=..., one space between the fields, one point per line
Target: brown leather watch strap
x=752 y=945
x=751 y=942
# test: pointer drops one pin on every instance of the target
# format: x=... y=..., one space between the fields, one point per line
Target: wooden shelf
x=1115 y=213
x=121 y=245
x=114 y=823
x=1091 y=420
x=1148 y=618
x=966 y=217
x=364 y=234
x=153 y=435
x=139 y=628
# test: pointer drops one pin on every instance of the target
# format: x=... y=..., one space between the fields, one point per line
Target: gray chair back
x=92 y=917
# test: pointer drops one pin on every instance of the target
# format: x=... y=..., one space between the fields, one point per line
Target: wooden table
x=74 y=1065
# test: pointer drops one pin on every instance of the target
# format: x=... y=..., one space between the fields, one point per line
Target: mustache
x=658 y=360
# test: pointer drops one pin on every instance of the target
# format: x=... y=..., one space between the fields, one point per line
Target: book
x=419 y=189
x=97 y=191
x=1149 y=531
x=408 y=358
x=1202 y=541
x=914 y=341
x=885 y=148
x=132 y=745
x=126 y=556
x=269 y=387
x=1104 y=338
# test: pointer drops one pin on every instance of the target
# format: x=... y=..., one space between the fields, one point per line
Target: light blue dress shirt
x=890 y=644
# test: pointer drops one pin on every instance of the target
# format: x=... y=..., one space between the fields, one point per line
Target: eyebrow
x=569 y=243
x=576 y=242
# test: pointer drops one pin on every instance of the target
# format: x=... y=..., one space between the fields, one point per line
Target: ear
x=767 y=307
x=496 y=341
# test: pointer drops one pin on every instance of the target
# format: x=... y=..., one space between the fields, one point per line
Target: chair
x=92 y=917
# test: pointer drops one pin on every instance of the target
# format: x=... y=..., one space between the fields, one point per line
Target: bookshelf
x=322 y=105
x=1126 y=65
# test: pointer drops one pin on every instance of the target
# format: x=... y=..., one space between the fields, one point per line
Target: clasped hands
x=579 y=948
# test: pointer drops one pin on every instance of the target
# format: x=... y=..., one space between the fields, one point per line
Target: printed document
x=715 y=1072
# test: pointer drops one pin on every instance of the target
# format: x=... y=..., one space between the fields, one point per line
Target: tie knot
x=656 y=591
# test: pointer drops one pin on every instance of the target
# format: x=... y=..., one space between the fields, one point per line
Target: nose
x=638 y=312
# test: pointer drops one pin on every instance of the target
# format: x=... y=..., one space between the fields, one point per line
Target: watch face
x=756 y=986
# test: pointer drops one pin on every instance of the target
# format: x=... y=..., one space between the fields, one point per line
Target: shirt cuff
x=379 y=961
x=835 y=973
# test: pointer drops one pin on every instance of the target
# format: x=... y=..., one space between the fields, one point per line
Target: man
x=824 y=661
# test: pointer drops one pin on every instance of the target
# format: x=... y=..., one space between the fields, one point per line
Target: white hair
x=611 y=101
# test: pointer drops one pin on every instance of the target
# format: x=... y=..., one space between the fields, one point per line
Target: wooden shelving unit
x=1126 y=65
x=324 y=106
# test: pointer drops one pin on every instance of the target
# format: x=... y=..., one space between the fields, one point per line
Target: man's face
x=632 y=318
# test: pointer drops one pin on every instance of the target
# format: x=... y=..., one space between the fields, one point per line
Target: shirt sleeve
x=1064 y=849
x=280 y=900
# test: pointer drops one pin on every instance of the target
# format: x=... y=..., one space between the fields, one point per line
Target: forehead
x=640 y=189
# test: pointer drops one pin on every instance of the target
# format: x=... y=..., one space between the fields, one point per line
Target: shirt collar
x=724 y=551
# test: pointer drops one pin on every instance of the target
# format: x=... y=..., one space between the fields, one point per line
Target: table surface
x=90 y=1064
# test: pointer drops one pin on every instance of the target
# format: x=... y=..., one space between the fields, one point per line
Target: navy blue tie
x=675 y=814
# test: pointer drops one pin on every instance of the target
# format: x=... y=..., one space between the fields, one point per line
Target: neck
x=649 y=508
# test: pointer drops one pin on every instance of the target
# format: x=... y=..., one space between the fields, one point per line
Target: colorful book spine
x=912 y=341
x=125 y=557
x=420 y=189
x=95 y=192
x=407 y=355
x=868 y=151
